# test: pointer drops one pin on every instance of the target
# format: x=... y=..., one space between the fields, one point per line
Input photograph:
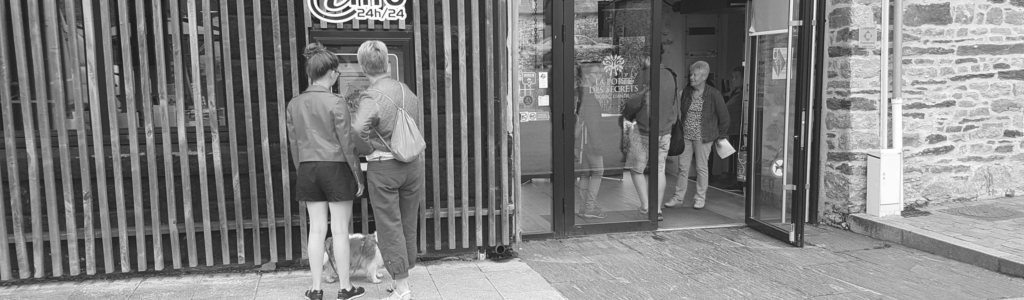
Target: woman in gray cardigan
x=706 y=119
x=395 y=187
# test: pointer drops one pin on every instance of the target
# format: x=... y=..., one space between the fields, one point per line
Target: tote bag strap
x=396 y=105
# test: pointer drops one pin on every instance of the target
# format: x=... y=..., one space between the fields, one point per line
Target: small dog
x=364 y=255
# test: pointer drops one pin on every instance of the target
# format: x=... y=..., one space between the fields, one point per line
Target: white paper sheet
x=724 y=148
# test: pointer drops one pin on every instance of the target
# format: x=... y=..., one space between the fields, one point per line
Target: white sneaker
x=699 y=204
x=674 y=202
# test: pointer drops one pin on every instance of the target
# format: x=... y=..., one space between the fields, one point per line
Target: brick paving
x=998 y=234
x=740 y=263
x=436 y=280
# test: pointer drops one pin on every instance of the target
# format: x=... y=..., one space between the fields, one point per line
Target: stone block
x=937 y=150
x=936 y=138
x=972 y=76
x=922 y=105
x=964 y=14
x=1014 y=17
x=989 y=49
x=837 y=120
x=839 y=18
x=872 y=227
x=928 y=14
x=966 y=60
x=914 y=51
x=1007 y=105
x=1004 y=149
x=1012 y=133
x=994 y=16
x=1012 y=75
x=1012 y=266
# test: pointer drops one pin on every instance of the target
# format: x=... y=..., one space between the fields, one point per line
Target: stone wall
x=963 y=110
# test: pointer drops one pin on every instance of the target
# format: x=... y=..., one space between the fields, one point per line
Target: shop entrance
x=580 y=165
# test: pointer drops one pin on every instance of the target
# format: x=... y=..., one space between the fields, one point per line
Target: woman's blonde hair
x=373 y=57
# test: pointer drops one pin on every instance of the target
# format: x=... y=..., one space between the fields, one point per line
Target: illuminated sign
x=341 y=11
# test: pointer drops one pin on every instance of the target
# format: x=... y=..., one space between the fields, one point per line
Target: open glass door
x=776 y=118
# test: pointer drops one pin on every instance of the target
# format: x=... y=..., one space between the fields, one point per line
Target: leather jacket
x=319 y=128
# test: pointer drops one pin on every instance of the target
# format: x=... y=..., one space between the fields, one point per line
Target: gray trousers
x=701 y=152
x=396 y=190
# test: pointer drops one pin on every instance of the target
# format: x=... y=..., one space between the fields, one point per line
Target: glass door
x=539 y=112
x=776 y=87
x=607 y=59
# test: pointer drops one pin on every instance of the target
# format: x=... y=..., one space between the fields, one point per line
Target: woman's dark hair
x=319 y=61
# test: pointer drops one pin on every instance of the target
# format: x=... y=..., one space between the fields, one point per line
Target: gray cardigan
x=714 y=119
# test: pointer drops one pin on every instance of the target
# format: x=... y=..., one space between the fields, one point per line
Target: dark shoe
x=660 y=217
x=314 y=295
x=355 y=292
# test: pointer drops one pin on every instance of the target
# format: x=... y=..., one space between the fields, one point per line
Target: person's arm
x=293 y=144
x=723 y=116
x=366 y=119
x=343 y=129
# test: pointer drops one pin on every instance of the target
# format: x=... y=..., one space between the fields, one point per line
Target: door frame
x=807 y=69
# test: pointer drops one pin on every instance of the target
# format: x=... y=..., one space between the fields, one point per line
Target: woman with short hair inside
x=329 y=178
x=395 y=187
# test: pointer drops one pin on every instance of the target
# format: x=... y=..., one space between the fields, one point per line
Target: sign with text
x=341 y=11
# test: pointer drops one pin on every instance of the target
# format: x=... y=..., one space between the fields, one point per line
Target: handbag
x=677 y=143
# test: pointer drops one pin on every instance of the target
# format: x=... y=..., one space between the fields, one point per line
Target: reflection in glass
x=611 y=45
x=535 y=90
x=774 y=111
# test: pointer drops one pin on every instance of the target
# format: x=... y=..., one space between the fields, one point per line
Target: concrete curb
x=938 y=244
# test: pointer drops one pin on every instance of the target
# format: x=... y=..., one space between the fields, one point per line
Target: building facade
x=158 y=145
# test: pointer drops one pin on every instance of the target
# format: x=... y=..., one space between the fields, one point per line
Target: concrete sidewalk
x=740 y=263
x=988 y=233
x=433 y=280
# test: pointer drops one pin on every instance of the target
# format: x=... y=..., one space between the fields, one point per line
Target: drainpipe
x=897 y=92
x=885 y=166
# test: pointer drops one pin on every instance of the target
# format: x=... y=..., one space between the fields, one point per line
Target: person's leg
x=341 y=213
x=683 y=180
x=384 y=182
x=702 y=152
x=317 y=233
x=636 y=162
x=596 y=162
x=663 y=145
x=410 y=196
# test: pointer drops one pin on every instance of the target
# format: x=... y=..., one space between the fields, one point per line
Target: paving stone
x=106 y=289
x=541 y=295
x=180 y=287
x=468 y=294
x=515 y=264
x=511 y=282
x=221 y=286
x=286 y=285
x=52 y=290
x=599 y=289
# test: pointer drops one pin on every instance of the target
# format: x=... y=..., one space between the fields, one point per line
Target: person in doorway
x=637 y=109
x=329 y=177
x=396 y=187
x=735 y=106
x=589 y=161
x=706 y=119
